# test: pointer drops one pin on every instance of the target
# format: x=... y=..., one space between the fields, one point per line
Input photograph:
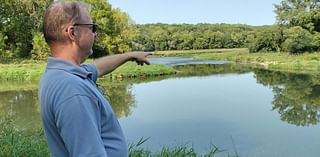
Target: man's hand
x=109 y=63
x=140 y=57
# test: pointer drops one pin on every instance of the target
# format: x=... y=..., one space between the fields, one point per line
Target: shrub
x=40 y=49
x=267 y=40
x=297 y=40
x=4 y=53
x=316 y=42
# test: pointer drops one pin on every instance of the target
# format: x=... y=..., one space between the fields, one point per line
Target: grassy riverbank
x=275 y=61
x=132 y=70
x=310 y=62
x=190 y=53
x=22 y=71
x=21 y=143
x=33 y=71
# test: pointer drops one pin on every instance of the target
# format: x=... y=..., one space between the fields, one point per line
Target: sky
x=251 y=12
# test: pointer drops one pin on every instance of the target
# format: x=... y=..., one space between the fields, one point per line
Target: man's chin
x=91 y=52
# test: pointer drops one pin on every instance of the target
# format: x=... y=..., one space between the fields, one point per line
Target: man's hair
x=58 y=16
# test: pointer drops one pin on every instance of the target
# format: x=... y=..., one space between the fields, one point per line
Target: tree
x=160 y=37
x=302 y=16
x=101 y=14
x=3 y=48
x=297 y=40
x=316 y=42
x=218 y=40
x=19 y=20
x=14 y=15
x=238 y=39
x=114 y=31
x=186 y=41
x=309 y=20
x=188 y=36
x=40 y=49
x=200 y=43
x=36 y=9
x=122 y=31
x=266 y=40
x=289 y=10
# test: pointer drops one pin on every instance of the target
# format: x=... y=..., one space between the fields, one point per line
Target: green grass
x=178 y=151
x=275 y=61
x=307 y=62
x=21 y=71
x=32 y=71
x=21 y=143
x=132 y=70
x=189 y=53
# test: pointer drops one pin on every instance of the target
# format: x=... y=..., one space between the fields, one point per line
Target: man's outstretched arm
x=109 y=63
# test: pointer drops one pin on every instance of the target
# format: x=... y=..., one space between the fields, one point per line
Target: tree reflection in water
x=120 y=96
x=297 y=96
x=22 y=106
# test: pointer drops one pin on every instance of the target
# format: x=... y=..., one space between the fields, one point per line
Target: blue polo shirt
x=78 y=121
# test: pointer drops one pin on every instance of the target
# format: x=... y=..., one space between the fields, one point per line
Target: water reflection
x=175 y=61
x=297 y=96
x=22 y=106
x=122 y=99
x=120 y=96
x=210 y=69
x=201 y=103
x=212 y=109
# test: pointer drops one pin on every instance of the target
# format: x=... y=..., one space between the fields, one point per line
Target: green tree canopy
x=288 y=11
x=301 y=18
x=297 y=40
x=267 y=39
x=114 y=30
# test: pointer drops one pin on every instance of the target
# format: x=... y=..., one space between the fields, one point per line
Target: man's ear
x=70 y=31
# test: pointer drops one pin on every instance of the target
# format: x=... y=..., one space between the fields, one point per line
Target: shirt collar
x=61 y=64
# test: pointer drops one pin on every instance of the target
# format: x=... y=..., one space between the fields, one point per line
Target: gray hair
x=58 y=16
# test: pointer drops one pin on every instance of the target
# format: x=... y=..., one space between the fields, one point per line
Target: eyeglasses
x=93 y=28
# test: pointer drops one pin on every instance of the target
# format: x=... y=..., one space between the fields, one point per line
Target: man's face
x=85 y=34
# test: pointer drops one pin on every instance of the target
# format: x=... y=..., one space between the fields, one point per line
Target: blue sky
x=252 y=12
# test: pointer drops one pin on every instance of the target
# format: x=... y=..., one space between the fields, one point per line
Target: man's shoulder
x=56 y=82
x=59 y=86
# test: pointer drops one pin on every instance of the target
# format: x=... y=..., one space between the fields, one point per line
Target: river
x=246 y=111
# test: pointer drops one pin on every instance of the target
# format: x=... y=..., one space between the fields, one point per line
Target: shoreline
x=308 y=63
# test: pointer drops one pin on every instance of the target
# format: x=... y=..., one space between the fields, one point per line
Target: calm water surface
x=252 y=112
x=229 y=111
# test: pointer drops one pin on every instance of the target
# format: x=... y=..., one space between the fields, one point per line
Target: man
x=77 y=119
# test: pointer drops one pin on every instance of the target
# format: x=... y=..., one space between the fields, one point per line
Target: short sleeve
x=78 y=121
x=91 y=68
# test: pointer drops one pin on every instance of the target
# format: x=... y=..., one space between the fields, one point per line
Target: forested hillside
x=297 y=30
